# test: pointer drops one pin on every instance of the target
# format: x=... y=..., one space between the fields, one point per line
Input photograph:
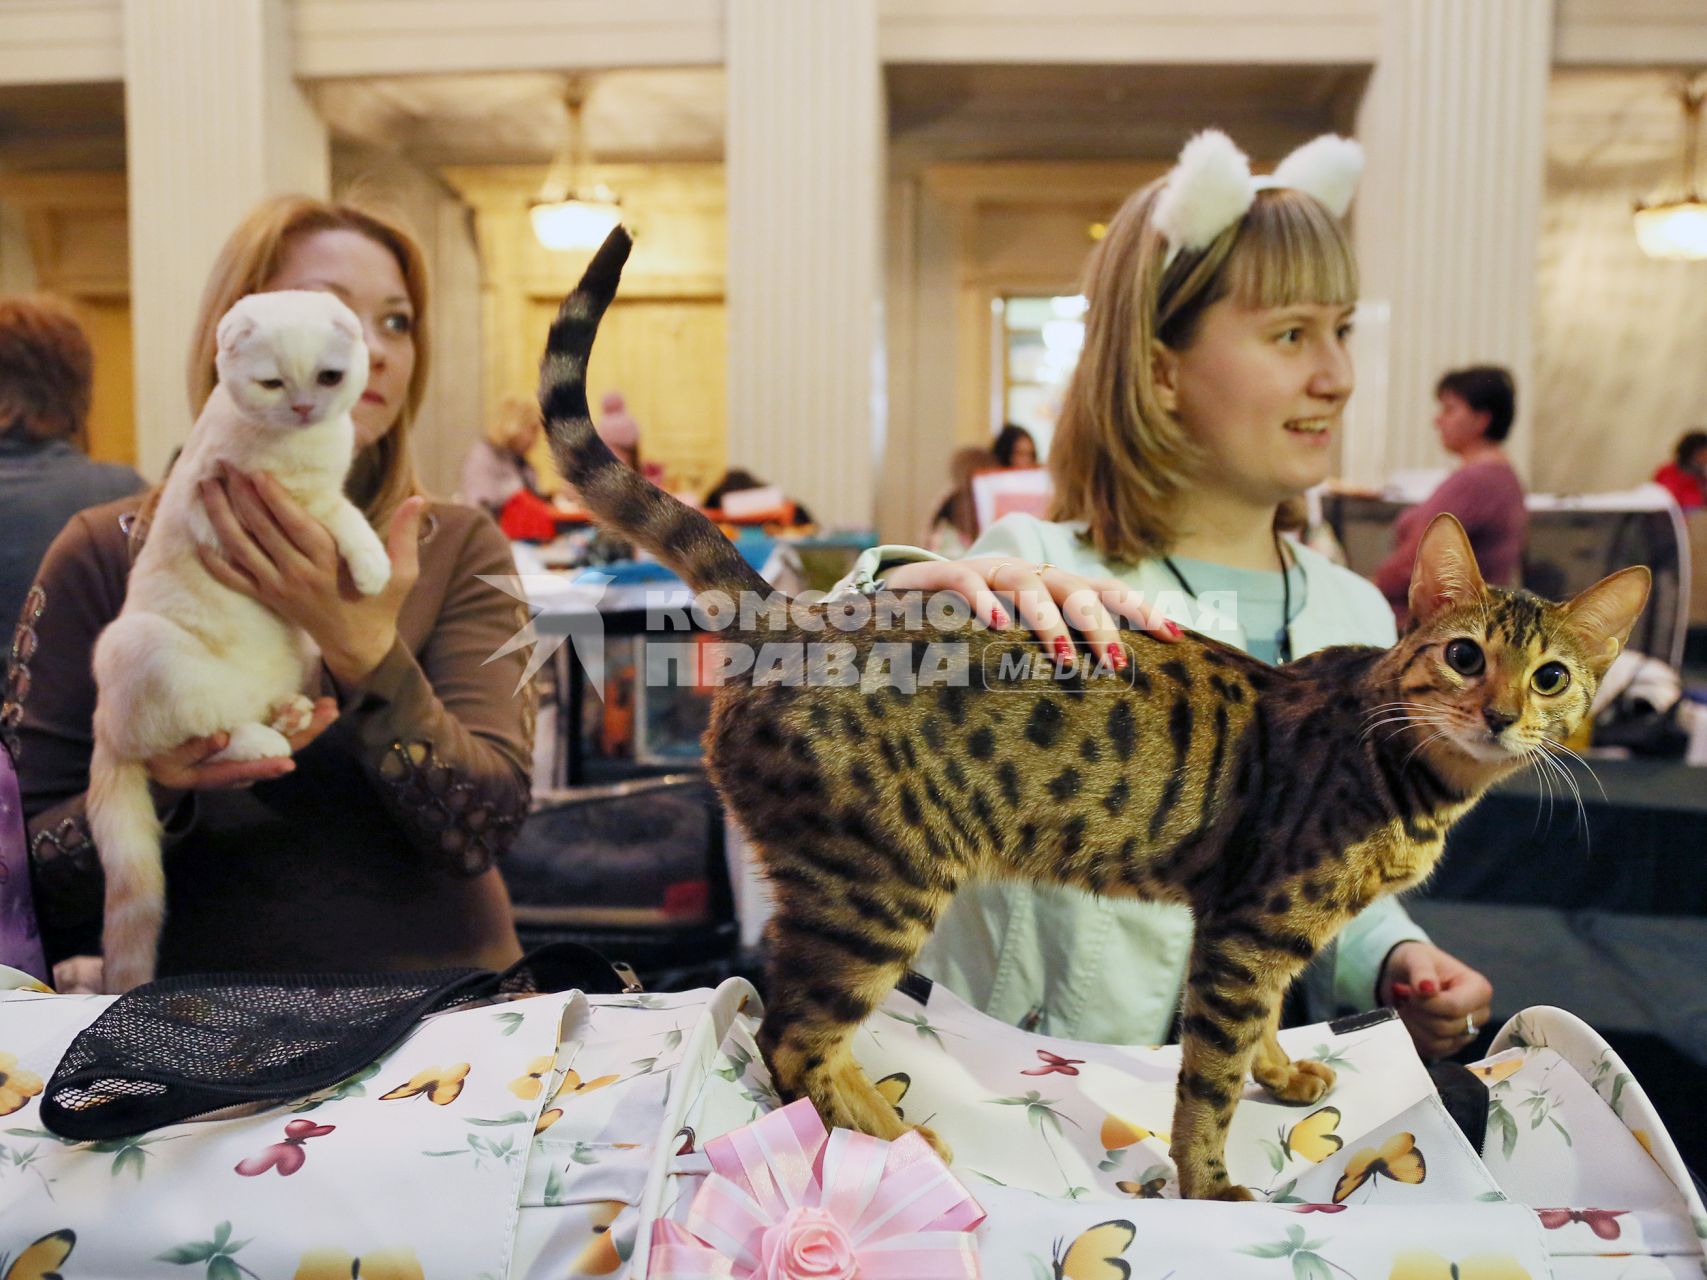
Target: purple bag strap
x=20 y=940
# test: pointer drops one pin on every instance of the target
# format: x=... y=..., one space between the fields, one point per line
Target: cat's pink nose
x=303 y=410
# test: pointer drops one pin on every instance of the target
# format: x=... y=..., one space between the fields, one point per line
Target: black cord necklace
x=1285 y=596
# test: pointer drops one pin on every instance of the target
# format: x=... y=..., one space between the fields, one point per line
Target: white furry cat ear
x=234 y=329
x=1327 y=167
x=1209 y=189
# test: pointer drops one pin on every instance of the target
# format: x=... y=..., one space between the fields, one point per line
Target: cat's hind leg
x=1239 y=971
x=830 y=965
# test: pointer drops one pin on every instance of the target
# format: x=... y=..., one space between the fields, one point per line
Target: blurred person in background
x=1686 y=474
x=1477 y=406
x=1014 y=447
x=46 y=382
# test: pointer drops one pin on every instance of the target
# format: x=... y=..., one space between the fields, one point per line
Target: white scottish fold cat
x=188 y=657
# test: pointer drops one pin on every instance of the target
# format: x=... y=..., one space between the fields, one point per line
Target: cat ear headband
x=1212 y=187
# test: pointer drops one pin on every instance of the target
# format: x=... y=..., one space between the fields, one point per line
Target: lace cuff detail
x=463 y=825
x=68 y=884
x=17 y=673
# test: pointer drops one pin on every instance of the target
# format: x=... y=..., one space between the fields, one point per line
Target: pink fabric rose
x=786 y=1200
x=808 y=1244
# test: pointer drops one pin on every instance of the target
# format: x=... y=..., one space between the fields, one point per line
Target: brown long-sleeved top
x=377 y=852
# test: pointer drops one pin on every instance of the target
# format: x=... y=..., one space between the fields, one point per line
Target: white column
x=1448 y=216
x=805 y=174
x=214 y=122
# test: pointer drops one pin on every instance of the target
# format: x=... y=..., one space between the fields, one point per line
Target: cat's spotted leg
x=1239 y=971
x=828 y=970
x=1301 y=1082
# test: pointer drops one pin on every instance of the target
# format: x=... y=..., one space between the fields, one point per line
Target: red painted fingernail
x=1063 y=648
x=1427 y=987
x=1401 y=991
x=1174 y=633
x=998 y=619
x=1117 y=657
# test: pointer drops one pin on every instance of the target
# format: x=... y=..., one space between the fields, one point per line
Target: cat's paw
x=1232 y=1192
x=1300 y=1082
x=254 y=742
x=292 y=716
x=370 y=569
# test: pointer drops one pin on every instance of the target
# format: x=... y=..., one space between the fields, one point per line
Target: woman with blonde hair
x=373 y=846
x=496 y=466
x=1214 y=375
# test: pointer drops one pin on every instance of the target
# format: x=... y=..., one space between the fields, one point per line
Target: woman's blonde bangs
x=1290 y=251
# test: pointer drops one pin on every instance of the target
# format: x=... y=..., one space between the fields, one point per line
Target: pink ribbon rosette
x=786 y=1201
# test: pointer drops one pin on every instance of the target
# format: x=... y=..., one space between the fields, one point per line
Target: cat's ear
x=235 y=330
x=345 y=322
x=1445 y=574
x=1600 y=618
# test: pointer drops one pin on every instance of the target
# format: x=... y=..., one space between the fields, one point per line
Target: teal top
x=1068 y=964
x=1258 y=596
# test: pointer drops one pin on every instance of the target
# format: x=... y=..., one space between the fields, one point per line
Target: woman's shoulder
x=1345 y=585
x=101 y=530
x=1031 y=538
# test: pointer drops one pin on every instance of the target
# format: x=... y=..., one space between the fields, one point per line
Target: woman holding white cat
x=372 y=847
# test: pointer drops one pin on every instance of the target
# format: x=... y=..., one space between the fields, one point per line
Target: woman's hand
x=1047 y=599
x=1438 y=997
x=277 y=553
x=189 y=766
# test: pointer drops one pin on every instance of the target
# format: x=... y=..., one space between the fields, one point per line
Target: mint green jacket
x=1110 y=970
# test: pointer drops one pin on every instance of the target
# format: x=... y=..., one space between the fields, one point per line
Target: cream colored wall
x=960 y=236
x=664 y=343
x=1620 y=372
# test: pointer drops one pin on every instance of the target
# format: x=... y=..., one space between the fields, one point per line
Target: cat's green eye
x=1464 y=657
x=330 y=377
x=271 y=384
x=1550 y=678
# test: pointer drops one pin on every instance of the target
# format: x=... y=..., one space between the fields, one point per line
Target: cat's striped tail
x=619 y=497
x=127 y=836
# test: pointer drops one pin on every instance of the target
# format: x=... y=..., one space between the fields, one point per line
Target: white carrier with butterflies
x=637 y=1135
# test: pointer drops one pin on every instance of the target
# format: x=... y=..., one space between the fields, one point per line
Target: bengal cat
x=1274 y=803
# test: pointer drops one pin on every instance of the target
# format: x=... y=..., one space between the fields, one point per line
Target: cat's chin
x=1485 y=752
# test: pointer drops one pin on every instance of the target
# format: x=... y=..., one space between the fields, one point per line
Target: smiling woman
x=1214 y=374
x=372 y=847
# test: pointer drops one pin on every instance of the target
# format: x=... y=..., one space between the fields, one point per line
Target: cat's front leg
x=1301 y=1082
x=1232 y=996
x=363 y=552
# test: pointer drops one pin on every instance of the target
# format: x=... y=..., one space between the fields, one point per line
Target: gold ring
x=1006 y=564
x=1042 y=567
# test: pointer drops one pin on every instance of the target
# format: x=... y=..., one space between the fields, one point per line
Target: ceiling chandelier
x=1676 y=227
x=569 y=213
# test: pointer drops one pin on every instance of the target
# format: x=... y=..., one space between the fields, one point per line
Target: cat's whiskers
x=1555 y=754
x=1556 y=747
x=1408 y=713
x=1533 y=761
x=1439 y=733
x=1554 y=768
